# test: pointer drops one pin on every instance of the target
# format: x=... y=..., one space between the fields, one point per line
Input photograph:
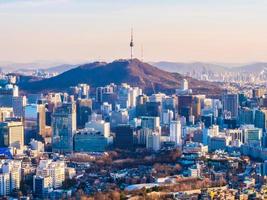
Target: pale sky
x=173 y=30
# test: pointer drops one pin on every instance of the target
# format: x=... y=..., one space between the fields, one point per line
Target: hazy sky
x=174 y=30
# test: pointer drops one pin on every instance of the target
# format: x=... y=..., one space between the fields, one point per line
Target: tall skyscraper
x=185 y=106
x=124 y=138
x=230 y=105
x=152 y=123
x=12 y=134
x=41 y=118
x=176 y=132
x=63 y=127
x=10 y=176
x=261 y=119
x=153 y=141
x=18 y=104
x=84 y=110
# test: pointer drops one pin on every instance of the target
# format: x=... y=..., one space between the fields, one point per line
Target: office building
x=5 y=112
x=41 y=119
x=261 y=119
x=246 y=116
x=124 y=137
x=230 y=105
x=166 y=117
x=153 y=141
x=84 y=110
x=12 y=134
x=42 y=186
x=18 y=104
x=63 y=127
x=53 y=169
x=89 y=140
x=152 y=123
x=10 y=176
x=99 y=126
x=176 y=132
x=120 y=116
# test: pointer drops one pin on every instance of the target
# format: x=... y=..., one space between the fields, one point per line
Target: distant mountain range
x=135 y=73
x=31 y=67
x=60 y=68
x=179 y=67
x=184 y=68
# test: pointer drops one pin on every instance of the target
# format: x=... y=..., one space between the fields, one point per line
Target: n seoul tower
x=131 y=44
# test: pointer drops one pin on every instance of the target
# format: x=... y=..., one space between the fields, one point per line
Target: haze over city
x=75 y=31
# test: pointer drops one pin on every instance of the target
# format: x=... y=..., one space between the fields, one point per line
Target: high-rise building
x=261 y=119
x=99 y=94
x=184 y=89
x=246 y=116
x=196 y=108
x=176 y=132
x=124 y=137
x=106 y=109
x=84 y=110
x=5 y=112
x=10 y=176
x=230 y=105
x=252 y=135
x=84 y=90
x=41 y=119
x=127 y=95
x=18 y=104
x=153 y=109
x=80 y=91
x=12 y=134
x=118 y=117
x=170 y=103
x=166 y=117
x=41 y=186
x=185 y=106
x=152 y=123
x=153 y=140
x=99 y=125
x=63 y=127
x=4 y=184
x=157 y=97
x=53 y=169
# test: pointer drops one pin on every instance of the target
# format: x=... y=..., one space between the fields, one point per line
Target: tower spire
x=131 y=44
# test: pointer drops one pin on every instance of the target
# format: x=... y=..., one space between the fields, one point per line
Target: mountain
x=135 y=73
x=255 y=68
x=184 y=68
x=60 y=68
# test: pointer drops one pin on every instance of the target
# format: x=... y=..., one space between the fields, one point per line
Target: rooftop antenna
x=131 y=44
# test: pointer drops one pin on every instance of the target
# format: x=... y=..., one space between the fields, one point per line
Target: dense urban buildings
x=53 y=143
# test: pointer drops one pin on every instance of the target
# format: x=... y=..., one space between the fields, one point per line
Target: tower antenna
x=131 y=44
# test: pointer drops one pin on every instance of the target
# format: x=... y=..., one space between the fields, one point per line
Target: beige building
x=12 y=134
x=5 y=112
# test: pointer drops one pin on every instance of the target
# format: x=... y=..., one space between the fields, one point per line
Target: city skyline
x=74 y=31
